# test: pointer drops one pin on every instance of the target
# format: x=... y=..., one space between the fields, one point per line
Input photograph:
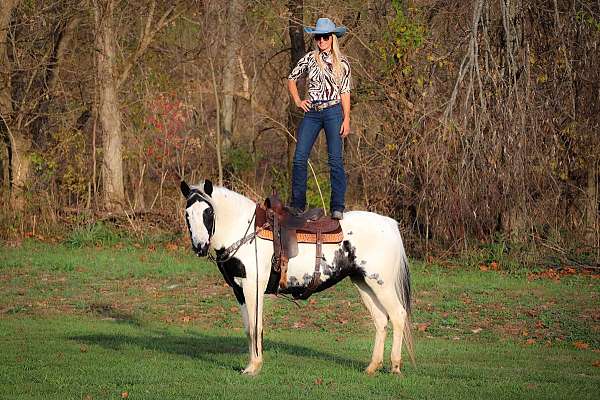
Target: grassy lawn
x=154 y=322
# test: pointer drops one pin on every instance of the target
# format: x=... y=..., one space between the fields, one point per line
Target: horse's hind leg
x=380 y=319
x=388 y=298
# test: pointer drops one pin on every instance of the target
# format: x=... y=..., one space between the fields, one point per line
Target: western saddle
x=275 y=222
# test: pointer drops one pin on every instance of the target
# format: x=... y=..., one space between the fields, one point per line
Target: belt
x=327 y=104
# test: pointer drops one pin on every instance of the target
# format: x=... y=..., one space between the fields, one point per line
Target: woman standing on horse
x=327 y=107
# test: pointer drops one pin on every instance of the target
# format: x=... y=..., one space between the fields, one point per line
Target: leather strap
x=276 y=240
x=316 y=279
x=322 y=106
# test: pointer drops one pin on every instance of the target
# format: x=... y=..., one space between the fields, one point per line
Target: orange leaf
x=530 y=341
x=124 y=395
x=171 y=246
x=423 y=327
x=581 y=345
x=539 y=324
x=318 y=381
x=596 y=364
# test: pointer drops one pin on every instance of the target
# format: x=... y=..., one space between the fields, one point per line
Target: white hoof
x=373 y=368
x=396 y=368
x=252 y=369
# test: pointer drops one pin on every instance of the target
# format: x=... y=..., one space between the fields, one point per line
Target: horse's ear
x=185 y=189
x=208 y=187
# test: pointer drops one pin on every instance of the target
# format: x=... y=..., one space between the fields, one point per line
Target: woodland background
x=476 y=124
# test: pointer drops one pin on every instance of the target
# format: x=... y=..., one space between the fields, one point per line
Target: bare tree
x=108 y=105
x=298 y=49
x=109 y=82
x=234 y=18
x=6 y=110
x=27 y=92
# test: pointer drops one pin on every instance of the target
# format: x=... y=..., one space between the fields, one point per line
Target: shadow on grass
x=109 y=312
x=207 y=348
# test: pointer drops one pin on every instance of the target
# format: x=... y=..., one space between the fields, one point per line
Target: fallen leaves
x=531 y=386
x=171 y=247
x=476 y=330
x=422 y=327
x=581 y=345
x=493 y=266
x=596 y=364
x=298 y=325
x=124 y=395
x=556 y=274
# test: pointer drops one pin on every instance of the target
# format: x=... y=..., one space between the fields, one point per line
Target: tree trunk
x=235 y=15
x=15 y=147
x=20 y=165
x=6 y=9
x=296 y=32
x=108 y=108
x=591 y=205
x=39 y=128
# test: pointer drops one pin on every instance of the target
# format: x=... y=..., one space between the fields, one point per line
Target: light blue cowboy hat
x=324 y=26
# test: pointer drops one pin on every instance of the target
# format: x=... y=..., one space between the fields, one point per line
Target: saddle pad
x=307 y=237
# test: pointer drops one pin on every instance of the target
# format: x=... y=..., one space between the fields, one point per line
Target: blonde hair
x=336 y=58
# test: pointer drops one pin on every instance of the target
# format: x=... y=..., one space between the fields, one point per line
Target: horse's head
x=199 y=215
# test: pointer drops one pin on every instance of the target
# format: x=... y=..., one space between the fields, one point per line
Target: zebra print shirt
x=321 y=84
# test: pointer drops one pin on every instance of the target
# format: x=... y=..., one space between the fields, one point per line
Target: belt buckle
x=322 y=106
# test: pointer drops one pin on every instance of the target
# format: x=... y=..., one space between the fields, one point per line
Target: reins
x=233 y=249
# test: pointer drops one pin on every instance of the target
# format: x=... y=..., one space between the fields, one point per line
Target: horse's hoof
x=373 y=368
x=396 y=369
x=252 y=369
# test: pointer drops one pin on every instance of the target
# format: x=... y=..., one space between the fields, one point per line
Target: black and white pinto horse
x=371 y=254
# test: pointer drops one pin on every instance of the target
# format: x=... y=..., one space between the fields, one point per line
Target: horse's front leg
x=252 y=313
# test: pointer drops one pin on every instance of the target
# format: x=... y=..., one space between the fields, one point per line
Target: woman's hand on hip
x=304 y=105
x=345 y=129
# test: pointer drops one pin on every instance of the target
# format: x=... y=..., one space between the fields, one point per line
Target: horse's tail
x=403 y=290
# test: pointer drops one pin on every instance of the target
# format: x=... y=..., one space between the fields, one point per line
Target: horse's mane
x=221 y=192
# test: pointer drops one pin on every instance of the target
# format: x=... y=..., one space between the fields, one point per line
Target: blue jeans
x=329 y=119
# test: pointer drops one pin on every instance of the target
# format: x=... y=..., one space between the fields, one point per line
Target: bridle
x=230 y=251
x=194 y=197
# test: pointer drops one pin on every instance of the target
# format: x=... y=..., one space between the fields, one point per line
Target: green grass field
x=154 y=322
